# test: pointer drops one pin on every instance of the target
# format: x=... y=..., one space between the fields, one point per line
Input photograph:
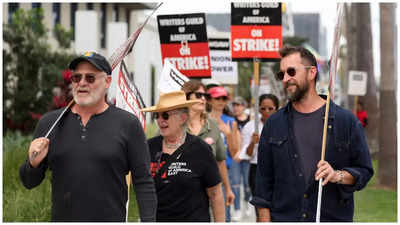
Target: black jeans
x=252 y=180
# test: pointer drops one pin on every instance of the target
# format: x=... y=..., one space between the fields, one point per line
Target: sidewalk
x=245 y=218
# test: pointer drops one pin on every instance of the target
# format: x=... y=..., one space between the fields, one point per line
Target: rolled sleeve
x=361 y=168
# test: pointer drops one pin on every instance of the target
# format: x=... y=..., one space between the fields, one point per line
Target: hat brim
x=162 y=109
x=78 y=60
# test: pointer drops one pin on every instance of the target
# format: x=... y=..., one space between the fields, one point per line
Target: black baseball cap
x=95 y=59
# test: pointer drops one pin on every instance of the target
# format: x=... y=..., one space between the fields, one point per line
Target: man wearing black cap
x=90 y=151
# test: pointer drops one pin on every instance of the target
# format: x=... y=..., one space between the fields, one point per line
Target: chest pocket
x=279 y=148
x=278 y=142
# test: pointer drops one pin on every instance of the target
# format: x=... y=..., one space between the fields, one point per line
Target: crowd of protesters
x=209 y=150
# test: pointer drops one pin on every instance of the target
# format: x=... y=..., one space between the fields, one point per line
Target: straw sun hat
x=171 y=100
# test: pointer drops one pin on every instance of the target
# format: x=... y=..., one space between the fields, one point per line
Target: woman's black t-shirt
x=182 y=186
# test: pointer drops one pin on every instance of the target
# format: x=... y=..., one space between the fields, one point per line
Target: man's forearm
x=263 y=215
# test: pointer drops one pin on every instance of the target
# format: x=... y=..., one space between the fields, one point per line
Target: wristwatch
x=341 y=175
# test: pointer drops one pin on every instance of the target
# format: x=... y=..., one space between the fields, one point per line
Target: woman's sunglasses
x=198 y=95
x=291 y=71
x=164 y=115
x=89 y=78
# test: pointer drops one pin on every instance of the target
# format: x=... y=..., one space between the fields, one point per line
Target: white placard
x=222 y=68
x=357 y=83
x=116 y=35
x=86 y=31
x=171 y=79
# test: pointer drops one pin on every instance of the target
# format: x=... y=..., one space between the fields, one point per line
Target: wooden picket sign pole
x=323 y=154
x=256 y=66
x=34 y=155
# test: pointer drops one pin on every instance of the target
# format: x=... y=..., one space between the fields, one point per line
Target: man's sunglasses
x=265 y=108
x=225 y=98
x=90 y=78
x=198 y=95
x=164 y=115
x=291 y=71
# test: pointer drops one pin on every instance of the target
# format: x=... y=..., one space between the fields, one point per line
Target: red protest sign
x=256 y=31
x=184 y=43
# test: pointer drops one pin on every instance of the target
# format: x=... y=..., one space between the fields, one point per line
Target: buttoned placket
x=298 y=169
x=83 y=128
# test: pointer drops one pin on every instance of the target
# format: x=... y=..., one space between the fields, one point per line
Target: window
x=36 y=5
x=103 y=25
x=56 y=14
x=116 y=12
x=12 y=7
x=74 y=7
x=128 y=20
x=89 y=6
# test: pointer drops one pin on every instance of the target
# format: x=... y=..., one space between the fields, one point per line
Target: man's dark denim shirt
x=280 y=185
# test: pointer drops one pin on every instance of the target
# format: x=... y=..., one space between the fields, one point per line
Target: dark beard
x=299 y=93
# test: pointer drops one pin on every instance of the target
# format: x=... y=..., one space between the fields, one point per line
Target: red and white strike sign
x=256 y=31
x=184 y=43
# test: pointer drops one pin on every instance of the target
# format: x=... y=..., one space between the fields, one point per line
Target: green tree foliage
x=31 y=69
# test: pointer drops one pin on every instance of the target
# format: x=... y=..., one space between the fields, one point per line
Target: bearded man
x=289 y=153
x=90 y=152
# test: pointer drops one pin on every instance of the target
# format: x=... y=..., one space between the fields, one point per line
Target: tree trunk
x=345 y=51
x=387 y=173
x=360 y=58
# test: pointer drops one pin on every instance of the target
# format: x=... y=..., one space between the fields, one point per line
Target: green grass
x=22 y=205
x=19 y=203
x=375 y=205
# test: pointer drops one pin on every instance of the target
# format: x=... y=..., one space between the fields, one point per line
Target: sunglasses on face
x=198 y=95
x=265 y=108
x=224 y=98
x=164 y=115
x=291 y=71
x=89 y=78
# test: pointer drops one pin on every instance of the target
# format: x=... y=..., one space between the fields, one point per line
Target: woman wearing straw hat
x=183 y=166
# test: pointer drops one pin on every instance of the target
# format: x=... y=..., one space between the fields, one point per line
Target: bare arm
x=238 y=140
x=254 y=140
x=227 y=131
x=225 y=180
x=217 y=202
x=233 y=140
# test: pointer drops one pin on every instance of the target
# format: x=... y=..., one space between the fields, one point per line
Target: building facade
x=94 y=25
